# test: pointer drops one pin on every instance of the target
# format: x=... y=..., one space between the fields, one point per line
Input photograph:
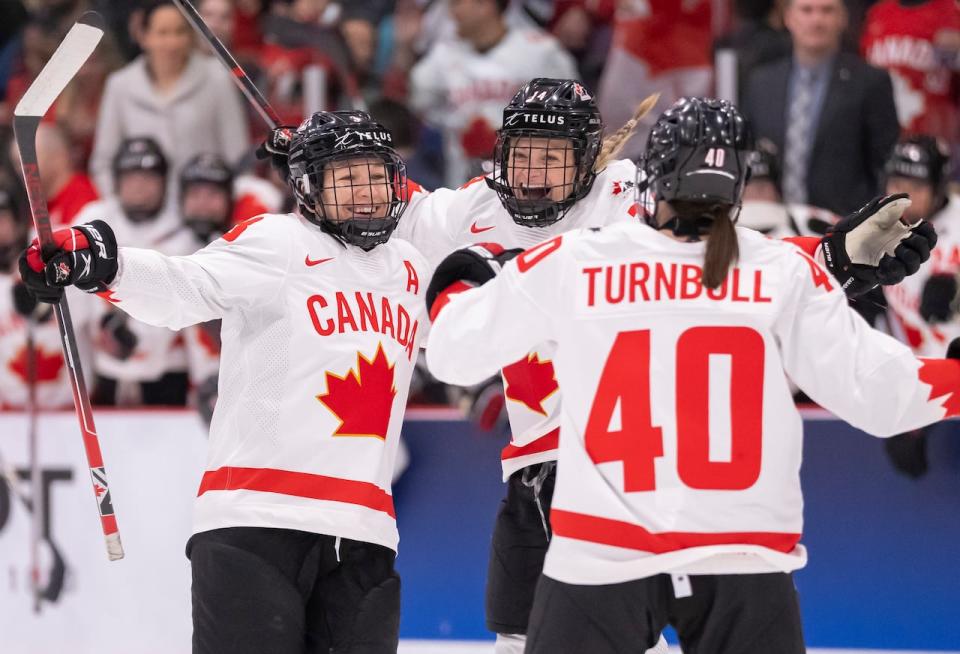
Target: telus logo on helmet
x=353 y=137
x=525 y=118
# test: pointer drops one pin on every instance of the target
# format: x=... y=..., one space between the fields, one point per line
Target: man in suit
x=831 y=114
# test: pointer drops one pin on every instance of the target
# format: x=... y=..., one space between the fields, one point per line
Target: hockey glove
x=117 y=340
x=277 y=149
x=937 y=298
x=26 y=304
x=85 y=256
x=476 y=265
x=874 y=246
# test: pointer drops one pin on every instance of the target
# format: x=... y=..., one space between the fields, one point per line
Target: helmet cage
x=365 y=233
x=540 y=212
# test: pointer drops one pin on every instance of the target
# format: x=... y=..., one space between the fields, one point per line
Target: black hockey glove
x=85 y=256
x=476 y=265
x=277 y=149
x=26 y=304
x=117 y=339
x=873 y=246
x=937 y=298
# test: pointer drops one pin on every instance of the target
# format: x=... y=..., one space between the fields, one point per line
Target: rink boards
x=884 y=568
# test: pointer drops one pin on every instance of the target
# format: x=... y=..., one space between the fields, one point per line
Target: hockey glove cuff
x=84 y=256
x=277 y=149
x=471 y=266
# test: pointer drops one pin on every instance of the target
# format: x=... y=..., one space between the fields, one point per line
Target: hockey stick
x=70 y=55
x=240 y=76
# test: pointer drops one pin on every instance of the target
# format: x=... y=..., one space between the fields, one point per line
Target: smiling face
x=358 y=187
x=541 y=168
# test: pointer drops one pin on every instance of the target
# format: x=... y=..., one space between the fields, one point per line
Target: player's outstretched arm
x=862 y=375
x=241 y=269
x=477 y=331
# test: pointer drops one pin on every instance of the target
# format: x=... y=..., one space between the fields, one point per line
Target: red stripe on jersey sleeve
x=808 y=244
x=548 y=441
x=298 y=484
x=624 y=534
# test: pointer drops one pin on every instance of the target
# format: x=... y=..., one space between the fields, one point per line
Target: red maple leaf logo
x=530 y=381
x=99 y=490
x=363 y=400
x=49 y=365
x=942 y=376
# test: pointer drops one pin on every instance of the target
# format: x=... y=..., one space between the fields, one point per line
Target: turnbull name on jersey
x=363 y=312
x=637 y=282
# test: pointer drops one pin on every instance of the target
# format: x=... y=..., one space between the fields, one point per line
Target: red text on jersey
x=363 y=312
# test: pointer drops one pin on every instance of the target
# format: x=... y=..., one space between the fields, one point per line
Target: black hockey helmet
x=544 y=108
x=329 y=137
x=697 y=151
x=925 y=158
x=210 y=170
x=139 y=153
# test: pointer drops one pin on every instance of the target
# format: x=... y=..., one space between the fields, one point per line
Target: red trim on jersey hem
x=605 y=531
x=548 y=441
x=298 y=484
x=443 y=298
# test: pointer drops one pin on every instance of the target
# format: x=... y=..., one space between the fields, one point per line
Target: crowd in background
x=153 y=136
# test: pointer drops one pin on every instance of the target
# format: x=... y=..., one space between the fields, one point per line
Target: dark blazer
x=856 y=133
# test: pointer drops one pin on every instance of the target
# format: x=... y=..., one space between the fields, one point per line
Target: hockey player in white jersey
x=652 y=329
x=921 y=310
x=295 y=530
x=554 y=172
x=462 y=84
x=136 y=363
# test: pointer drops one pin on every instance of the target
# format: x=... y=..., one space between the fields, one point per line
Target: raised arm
x=244 y=268
x=862 y=375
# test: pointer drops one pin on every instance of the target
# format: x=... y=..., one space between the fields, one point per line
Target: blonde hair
x=613 y=144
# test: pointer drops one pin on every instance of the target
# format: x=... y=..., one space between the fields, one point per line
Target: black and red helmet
x=548 y=109
x=330 y=136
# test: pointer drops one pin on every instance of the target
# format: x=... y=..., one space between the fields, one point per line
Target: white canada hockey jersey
x=440 y=222
x=903 y=299
x=319 y=343
x=158 y=351
x=52 y=375
x=463 y=91
x=680 y=445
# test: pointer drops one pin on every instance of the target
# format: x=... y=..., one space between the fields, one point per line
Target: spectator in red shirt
x=916 y=42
